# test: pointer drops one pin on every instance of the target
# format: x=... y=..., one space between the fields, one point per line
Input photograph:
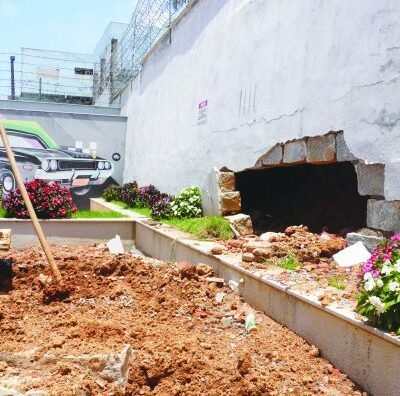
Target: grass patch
x=289 y=262
x=337 y=282
x=84 y=214
x=203 y=227
x=89 y=214
x=142 y=211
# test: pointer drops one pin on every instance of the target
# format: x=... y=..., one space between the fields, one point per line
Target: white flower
x=367 y=276
x=379 y=282
x=394 y=286
x=386 y=270
x=369 y=284
x=397 y=266
x=378 y=304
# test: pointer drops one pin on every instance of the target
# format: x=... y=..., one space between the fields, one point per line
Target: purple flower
x=367 y=267
x=375 y=273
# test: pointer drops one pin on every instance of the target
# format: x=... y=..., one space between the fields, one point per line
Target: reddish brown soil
x=184 y=341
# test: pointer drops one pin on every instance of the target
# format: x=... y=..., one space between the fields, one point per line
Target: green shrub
x=337 y=282
x=289 y=262
x=112 y=193
x=187 y=204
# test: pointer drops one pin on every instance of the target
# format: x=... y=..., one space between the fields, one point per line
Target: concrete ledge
x=51 y=107
x=369 y=356
x=75 y=232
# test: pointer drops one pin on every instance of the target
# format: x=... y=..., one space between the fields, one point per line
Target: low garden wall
x=369 y=356
x=70 y=231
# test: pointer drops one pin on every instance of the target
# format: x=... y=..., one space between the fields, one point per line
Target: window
x=24 y=141
x=83 y=71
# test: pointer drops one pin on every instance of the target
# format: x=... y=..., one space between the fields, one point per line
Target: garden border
x=65 y=231
x=369 y=356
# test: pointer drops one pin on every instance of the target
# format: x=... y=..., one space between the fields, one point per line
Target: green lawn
x=84 y=214
x=89 y=214
x=142 y=211
x=201 y=227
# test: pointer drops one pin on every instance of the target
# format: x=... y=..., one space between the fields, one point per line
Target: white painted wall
x=271 y=70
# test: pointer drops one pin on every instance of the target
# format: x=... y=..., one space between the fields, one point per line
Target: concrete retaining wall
x=77 y=231
x=369 y=356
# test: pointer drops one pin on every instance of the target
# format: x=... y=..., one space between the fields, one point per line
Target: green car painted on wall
x=40 y=157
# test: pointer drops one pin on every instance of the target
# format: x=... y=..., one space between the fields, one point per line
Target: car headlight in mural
x=40 y=157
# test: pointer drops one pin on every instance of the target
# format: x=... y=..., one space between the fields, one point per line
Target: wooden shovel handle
x=28 y=204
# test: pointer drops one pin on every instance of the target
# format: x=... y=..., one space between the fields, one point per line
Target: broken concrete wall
x=270 y=71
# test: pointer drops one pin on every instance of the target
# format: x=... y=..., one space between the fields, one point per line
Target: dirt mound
x=136 y=326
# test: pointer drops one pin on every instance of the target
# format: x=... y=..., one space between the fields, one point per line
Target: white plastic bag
x=352 y=255
x=115 y=245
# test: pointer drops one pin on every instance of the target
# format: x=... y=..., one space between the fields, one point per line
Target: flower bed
x=182 y=211
x=379 y=298
x=187 y=204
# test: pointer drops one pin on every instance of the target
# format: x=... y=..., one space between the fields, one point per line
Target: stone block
x=227 y=181
x=210 y=194
x=370 y=179
x=241 y=223
x=321 y=149
x=295 y=152
x=343 y=152
x=273 y=156
x=369 y=241
x=383 y=215
x=230 y=202
x=5 y=239
x=392 y=185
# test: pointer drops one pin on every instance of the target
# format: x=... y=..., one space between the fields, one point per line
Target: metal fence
x=121 y=59
x=56 y=76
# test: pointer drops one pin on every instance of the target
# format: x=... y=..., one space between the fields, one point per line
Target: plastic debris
x=250 y=323
x=115 y=245
x=233 y=285
x=219 y=297
x=352 y=255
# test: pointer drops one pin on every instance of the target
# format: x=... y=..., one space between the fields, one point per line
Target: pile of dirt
x=138 y=326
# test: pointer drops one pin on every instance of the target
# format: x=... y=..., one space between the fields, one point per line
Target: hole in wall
x=323 y=197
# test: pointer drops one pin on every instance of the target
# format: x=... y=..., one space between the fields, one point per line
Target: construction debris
x=115 y=245
x=352 y=255
x=5 y=239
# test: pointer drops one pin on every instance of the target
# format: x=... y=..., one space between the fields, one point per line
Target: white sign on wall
x=202 y=112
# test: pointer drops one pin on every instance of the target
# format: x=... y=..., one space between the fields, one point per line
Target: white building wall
x=271 y=70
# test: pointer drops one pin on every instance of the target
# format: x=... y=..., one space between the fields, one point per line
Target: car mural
x=40 y=157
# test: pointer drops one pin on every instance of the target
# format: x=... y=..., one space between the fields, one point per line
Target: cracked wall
x=270 y=71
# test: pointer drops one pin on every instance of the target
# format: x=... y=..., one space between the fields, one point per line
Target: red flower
x=50 y=201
